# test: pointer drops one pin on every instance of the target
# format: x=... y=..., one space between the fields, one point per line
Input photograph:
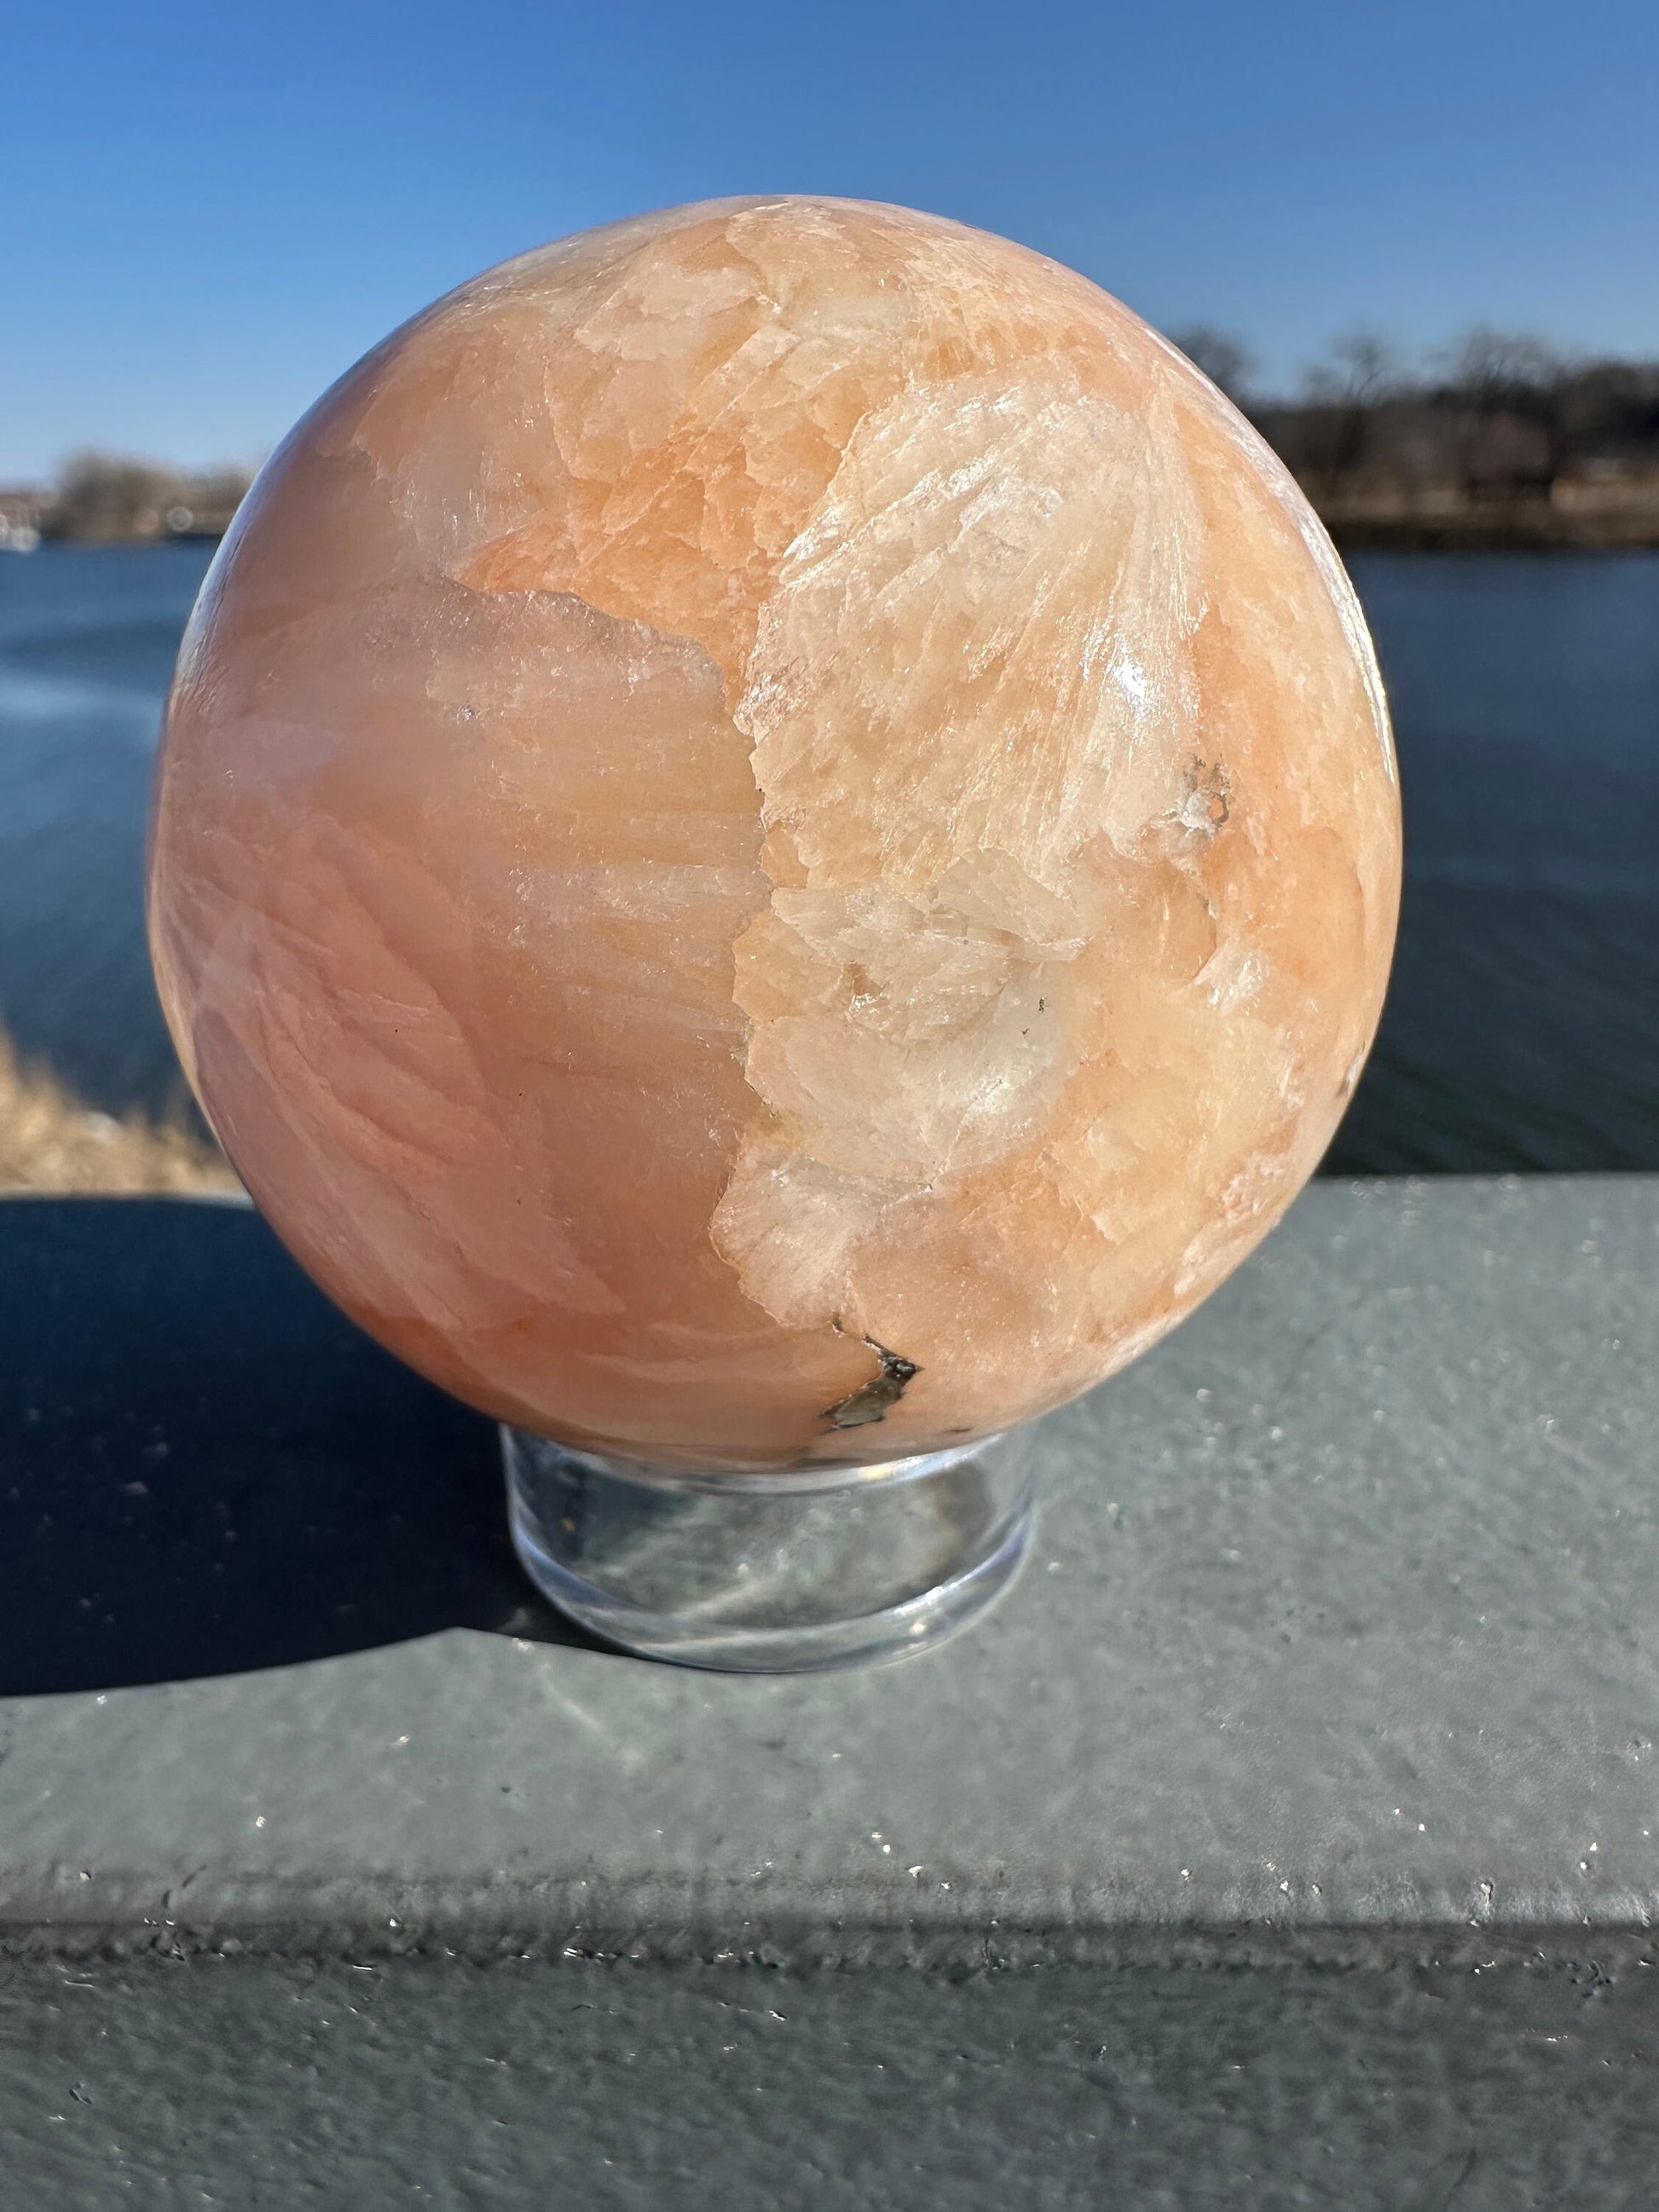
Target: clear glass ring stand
x=771 y=1573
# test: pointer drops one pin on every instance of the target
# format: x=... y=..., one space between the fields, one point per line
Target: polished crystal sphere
x=776 y=839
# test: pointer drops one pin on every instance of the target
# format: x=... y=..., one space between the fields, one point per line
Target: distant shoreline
x=1512 y=525
x=110 y=541
x=1518 y=526
x=1381 y=535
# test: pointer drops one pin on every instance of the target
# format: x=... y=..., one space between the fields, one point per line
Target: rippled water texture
x=1523 y=1025
x=1522 y=1029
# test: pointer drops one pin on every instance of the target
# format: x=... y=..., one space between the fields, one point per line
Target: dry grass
x=50 y=1141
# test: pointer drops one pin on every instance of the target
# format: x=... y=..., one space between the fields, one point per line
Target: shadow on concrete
x=204 y=1469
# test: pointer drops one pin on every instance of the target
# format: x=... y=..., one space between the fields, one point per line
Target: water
x=87 y=635
x=1522 y=1029
x=1522 y=1024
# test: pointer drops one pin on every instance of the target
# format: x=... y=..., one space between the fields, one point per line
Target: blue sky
x=208 y=211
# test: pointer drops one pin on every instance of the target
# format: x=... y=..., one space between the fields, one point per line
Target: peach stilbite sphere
x=776 y=838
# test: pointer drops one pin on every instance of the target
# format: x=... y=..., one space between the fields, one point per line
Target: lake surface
x=1523 y=1027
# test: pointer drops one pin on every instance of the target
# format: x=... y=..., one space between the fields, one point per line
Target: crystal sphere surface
x=776 y=838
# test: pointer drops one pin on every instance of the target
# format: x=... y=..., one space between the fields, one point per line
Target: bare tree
x=1224 y=359
x=1363 y=370
x=110 y=497
x=107 y=495
x=1492 y=371
x=1512 y=391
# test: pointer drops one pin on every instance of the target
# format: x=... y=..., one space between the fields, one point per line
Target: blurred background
x=1417 y=243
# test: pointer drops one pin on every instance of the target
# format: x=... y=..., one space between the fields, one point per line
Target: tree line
x=1502 y=425
x=1500 y=415
x=107 y=497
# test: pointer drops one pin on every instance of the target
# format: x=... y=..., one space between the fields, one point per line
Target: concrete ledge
x=1337 y=1656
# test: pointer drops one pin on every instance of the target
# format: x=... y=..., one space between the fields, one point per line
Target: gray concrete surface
x=1288 y=1836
